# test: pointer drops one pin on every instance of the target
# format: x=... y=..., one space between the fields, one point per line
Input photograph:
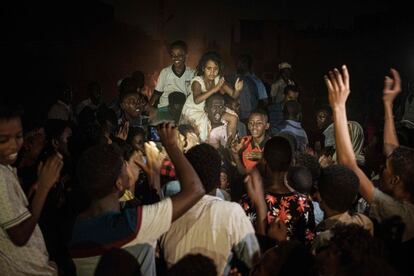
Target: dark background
x=43 y=44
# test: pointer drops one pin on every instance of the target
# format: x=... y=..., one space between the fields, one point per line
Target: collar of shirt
x=294 y=124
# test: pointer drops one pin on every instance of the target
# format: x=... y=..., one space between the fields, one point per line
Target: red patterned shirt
x=294 y=209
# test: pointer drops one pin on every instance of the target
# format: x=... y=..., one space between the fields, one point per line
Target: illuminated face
x=133 y=105
x=257 y=125
x=211 y=70
x=322 y=119
x=178 y=57
x=224 y=183
x=292 y=95
x=34 y=143
x=215 y=110
x=63 y=141
x=11 y=140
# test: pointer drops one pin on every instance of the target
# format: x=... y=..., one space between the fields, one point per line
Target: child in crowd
x=22 y=248
x=208 y=82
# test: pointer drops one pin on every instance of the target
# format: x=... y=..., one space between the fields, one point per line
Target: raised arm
x=48 y=176
x=200 y=96
x=392 y=87
x=234 y=93
x=338 y=89
x=254 y=187
x=191 y=188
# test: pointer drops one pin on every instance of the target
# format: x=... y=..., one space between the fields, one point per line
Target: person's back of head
x=278 y=154
x=206 y=161
x=283 y=260
x=292 y=110
x=402 y=166
x=117 y=262
x=128 y=86
x=54 y=128
x=290 y=137
x=300 y=179
x=107 y=118
x=338 y=187
x=193 y=264
x=348 y=245
x=244 y=64
x=310 y=162
x=139 y=78
x=98 y=170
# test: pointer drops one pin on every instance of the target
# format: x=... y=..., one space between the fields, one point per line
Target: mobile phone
x=153 y=134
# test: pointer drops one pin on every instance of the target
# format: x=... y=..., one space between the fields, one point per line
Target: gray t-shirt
x=384 y=206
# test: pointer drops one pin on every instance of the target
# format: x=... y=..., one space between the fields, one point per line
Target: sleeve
x=384 y=206
x=245 y=244
x=156 y=220
x=161 y=81
x=13 y=210
x=261 y=89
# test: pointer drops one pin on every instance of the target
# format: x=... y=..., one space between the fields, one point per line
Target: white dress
x=193 y=113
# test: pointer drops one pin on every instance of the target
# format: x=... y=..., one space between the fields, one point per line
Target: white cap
x=284 y=65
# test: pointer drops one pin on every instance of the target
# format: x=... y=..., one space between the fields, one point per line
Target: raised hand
x=219 y=85
x=254 y=155
x=254 y=186
x=392 y=86
x=338 y=86
x=238 y=85
x=49 y=172
x=154 y=162
x=168 y=134
x=154 y=156
x=238 y=146
x=122 y=132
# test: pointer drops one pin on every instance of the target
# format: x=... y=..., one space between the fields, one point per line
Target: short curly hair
x=310 y=162
x=98 y=169
x=338 y=187
x=206 y=161
x=402 y=165
x=354 y=243
x=278 y=154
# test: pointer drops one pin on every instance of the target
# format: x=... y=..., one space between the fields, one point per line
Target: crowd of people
x=210 y=174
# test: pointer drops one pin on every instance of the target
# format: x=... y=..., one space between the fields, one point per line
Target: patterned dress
x=293 y=208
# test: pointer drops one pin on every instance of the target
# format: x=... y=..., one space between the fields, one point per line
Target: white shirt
x=169 y=82
x=212 y=227
x=32 y=258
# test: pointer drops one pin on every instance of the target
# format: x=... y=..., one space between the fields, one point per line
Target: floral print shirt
x=293 y=208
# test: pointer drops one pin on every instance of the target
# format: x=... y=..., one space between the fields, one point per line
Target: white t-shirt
x=155 y=221
x=32 y=258
x=169 y=82
x=214 y=228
